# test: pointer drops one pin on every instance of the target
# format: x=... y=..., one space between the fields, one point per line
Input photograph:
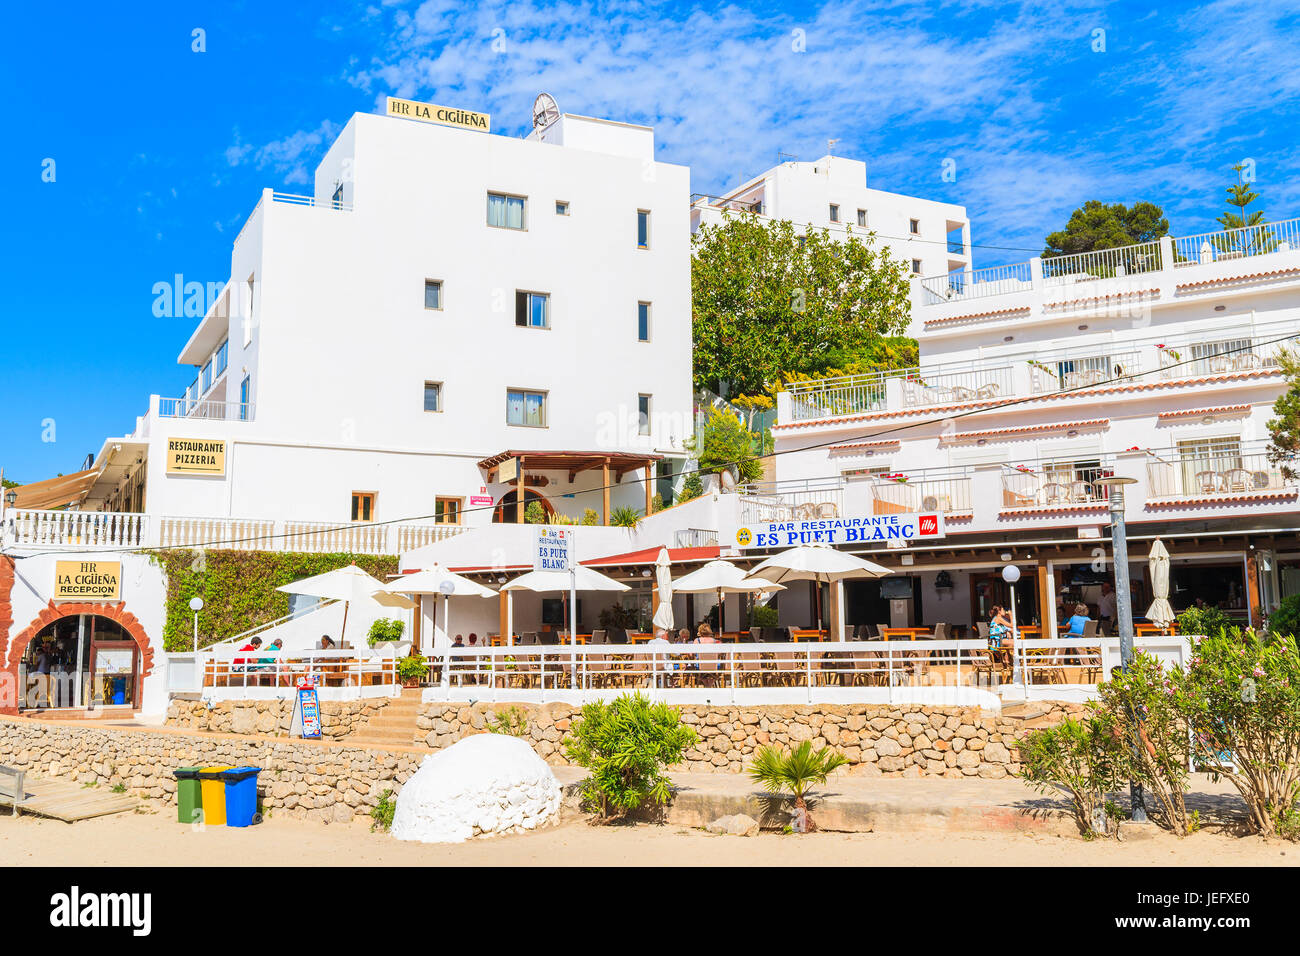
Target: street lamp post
x=196 y=605
x=1114 y=486
x=1011 y=574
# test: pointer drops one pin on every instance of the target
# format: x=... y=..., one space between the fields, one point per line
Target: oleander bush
x=1083 y=757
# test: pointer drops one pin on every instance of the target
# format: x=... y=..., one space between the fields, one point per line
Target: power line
x=1009 y=403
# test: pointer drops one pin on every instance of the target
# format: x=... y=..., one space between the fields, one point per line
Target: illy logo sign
x=927 y=525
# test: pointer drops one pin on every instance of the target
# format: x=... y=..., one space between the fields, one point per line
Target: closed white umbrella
x=664 y=588
x=1158 y=569
x=816 y=562
x=348 y=585
x=723 y=577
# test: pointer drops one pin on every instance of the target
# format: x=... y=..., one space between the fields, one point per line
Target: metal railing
x=1080 y=368
x=795 y=500
x=1217 y=471
x=232 y=674
x=977 y=283
x=1055 y=483
x=296 y=200
x=845 y=395
x=694 y=538
x=1102 y=264
x=942 y=388
x=942 y=491
x=205 y=409
x=1242 y=243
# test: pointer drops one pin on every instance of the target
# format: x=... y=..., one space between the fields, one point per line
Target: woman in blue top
x=1079 y=620
x=999 y=627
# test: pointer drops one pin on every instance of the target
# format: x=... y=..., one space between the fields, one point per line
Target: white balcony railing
x=82 y=529
x=943 y=388
x=942 y=491
x=1242 y=243
x=1216 y=471
x=1054 y=483
x=205 y=409
x=977 y=283
x=799 y=500
x=845 y=395
x=1102 y=264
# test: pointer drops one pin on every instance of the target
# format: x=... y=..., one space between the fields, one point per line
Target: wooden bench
x=12 y=786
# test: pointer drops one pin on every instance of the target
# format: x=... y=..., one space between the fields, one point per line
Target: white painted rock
x=485 y=784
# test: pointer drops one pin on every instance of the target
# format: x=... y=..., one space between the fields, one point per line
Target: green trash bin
x=189 y=796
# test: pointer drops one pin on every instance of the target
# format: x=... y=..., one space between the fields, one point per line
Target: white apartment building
x=832 y=194
x=452 y=319
x=1155 y=362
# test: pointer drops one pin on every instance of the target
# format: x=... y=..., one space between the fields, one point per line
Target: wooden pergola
x=612 y=465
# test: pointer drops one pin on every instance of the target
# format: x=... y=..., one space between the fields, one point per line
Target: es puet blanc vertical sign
x=552 y=548
x=865 y=530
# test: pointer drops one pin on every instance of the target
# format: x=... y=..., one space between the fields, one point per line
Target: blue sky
x=159 y=152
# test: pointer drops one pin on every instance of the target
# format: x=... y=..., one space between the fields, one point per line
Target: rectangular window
x=915 y=227
x=506 y=212
x=446 y=511
x=643 y=415
x=245 y=390
x=561 y=208
x=223 y=353
x=865 y=474
x=338 y=196
x=363 y=506
x=525 y=408
x=642 y=229
x=835 y=213
x=532 y=310
x=643 y=321
x=916 y=266
x=432 y=294
x=862 y=218
x=433 y=396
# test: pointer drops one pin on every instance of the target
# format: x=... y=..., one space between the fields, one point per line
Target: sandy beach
x=155 y=838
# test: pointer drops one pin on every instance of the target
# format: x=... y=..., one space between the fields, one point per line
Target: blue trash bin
x=241 y=795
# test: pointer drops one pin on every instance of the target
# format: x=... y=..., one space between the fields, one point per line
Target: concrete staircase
x=394 y=726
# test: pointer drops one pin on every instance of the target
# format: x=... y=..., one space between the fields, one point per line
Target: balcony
x=845 y=395
x=1055 y=484
x=205 y=409
x=797 y=500
x=93 y=529
x=943 y=490
x=1170 y=255
x=1215 y=469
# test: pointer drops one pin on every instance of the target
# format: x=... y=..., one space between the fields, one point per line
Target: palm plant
x=624 y=517
x=798 y=772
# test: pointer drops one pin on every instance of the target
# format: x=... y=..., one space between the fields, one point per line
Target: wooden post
x=519 y=492
x=649 y=486
x=503 y=616
x=1253 y=613
x=416 y=622
x=1045 y=600
x=604 y=485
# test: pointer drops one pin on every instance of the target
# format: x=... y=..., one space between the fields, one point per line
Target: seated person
x=704 y=634
x=1078 y=621
x=458 y=642
x=327 y=643
x=268 y=663
x=241 y=662
x=999 y=627
x=473 y=640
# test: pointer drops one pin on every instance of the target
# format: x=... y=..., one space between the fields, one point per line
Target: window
x=532 y=310
x=915 y=227
x=248 y=313
x=446 y=511
x=642 y=229
x=206 y=378
x=245 y=389
x=643 y=415
x=338 y=196
x=363 y=506
x=432 y=294
x=916 y=266
x=835 y=213
x=865 y=474
x=643 y=321
x=862 y=218
x=561 y=208
x=221 y=361
x=433 y=396
x=525 y=408
x=506 y=212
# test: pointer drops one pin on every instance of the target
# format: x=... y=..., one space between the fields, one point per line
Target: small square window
x=642 y=229
x=862 y=218
x=561 y=208
x=532 y=310
x=432 y=294
x=363 y=506
x=916 y=266
x=433 y=396
x=446 y=511
x=835 y=213
x=643 y=321
x=643 y=415
x=916 y=227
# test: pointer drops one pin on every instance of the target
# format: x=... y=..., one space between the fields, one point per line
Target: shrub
x=624 y=517
x=798 y=771
x=1286 y=618
x=626 y=744
x=656 y=503
x=386 y=629
x=381 y=814
x=590 y=517
x=412 y=668
x=1142 y=704
x=1241 y=695
x=761 y=615
x=1082 y=757
x=724 y=441
x=1203 y=620
x=692 y=487
x=534 y=513
x=510 y=721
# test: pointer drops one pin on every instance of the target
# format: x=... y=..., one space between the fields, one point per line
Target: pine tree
x=1255 y=240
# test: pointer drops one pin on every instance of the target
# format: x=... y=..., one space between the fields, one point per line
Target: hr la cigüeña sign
x=785 y=534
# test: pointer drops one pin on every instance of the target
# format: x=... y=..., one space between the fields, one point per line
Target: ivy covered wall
x=239 y=588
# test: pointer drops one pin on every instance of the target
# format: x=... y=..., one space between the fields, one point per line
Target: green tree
x=766 y=300
x=1096 y=225
x=797 y=771
x=1256 y=239
x=724 y=441
x=1284 y=429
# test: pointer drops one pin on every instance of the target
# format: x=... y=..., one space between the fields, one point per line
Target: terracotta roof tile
x=1227 y=280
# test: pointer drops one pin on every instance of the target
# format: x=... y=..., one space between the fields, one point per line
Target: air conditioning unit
x=929 y=503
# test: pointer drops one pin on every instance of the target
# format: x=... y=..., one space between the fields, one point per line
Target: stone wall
x=878 y=740
x=303 y=779
x=338 y=718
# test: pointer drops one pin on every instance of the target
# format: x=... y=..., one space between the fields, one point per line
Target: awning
x=574 y=461
x=56 y=492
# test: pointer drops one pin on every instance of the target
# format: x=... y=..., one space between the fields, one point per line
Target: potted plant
x=412 y=670
x=385 y=629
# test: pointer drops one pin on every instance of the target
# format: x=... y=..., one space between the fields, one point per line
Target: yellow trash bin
x=213 y=790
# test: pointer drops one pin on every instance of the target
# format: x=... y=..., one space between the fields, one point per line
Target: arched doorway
x=505 y=509
x=81 y=659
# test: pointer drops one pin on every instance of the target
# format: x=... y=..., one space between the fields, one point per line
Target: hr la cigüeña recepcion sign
x=865 y=530
x=87 y=580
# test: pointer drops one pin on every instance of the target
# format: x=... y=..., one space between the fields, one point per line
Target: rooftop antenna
x=545 y=111
x=830 y=145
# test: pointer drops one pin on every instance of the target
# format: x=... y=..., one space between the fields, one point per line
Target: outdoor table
x=905 y=633
x=1031 y=630
x=639 y=637
x=1142 y=630
x=805 y=634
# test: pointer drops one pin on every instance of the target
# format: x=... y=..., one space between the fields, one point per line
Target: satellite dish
x=545 y=111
